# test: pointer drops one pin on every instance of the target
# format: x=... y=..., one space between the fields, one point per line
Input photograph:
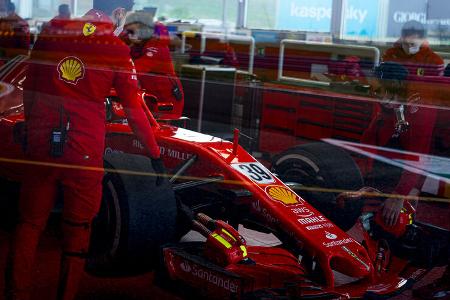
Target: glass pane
x=260 y=14
x=192 y=9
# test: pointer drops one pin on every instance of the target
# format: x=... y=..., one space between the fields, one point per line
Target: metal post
x=202 y=100
x=224 y=16
x=242 y=14
x=337 y=19
x=75 y=7
x=183 y=43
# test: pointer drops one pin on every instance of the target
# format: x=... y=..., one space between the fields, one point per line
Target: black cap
x=412 y=28
x=391 y=71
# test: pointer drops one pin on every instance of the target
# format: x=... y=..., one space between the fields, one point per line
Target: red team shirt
x=157 y=75
x=73 y=67
x=423 y=63
x=417 y=139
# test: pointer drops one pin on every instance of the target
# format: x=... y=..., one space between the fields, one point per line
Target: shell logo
x=283 y=195
x=71 y=70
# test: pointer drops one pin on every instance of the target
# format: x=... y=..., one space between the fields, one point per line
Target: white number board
x=256 y=172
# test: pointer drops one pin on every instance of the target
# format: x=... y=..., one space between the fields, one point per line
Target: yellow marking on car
x=244 y=251
x=221 y=240
x=229 y=234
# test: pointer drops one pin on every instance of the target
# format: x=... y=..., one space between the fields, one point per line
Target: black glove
x=160 y=170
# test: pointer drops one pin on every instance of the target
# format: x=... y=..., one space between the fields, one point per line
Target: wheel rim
x=107 y=224
x=303 y=175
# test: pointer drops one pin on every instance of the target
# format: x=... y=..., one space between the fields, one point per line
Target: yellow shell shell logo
x=283 y=195
x=71 y=70
x=89 y=29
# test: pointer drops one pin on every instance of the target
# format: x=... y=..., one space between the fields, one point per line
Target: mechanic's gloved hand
x=391 y=210
x=160 y=170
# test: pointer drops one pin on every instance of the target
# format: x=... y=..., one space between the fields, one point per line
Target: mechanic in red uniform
x=151 y=55
x=413 y=51
x=402 y=124
x=14 y=34
x=70 y=73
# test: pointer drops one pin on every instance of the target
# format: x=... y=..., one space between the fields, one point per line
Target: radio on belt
x=59 y=136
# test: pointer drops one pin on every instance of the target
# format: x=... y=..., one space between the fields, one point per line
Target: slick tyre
x=136 y=217
x=321 y=170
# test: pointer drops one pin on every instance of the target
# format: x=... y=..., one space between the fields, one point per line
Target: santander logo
x=185 y=267
x=330 y=236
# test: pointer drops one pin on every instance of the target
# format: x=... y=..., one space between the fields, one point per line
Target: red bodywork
x=271 y=202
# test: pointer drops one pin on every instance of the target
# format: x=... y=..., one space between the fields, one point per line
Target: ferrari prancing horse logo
x=420 y=72
x=89 y=29
x=71 y=70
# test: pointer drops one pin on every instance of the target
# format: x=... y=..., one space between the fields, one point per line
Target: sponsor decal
x=302 y=212
x=283 y=194
x=310 y=12
x=319 y=226
x=109 y=150
x=185 y=266
x=137 y=144
x=174 y=153
x=338 y=243
x=352 y=13
x=319 y=13
x=71 y=70
x=264 y=213
x=209 y=276
x=133 y=71
x=307 y=216
x=89 y=29
x=255 y=171
x=312 y=220
x=330 y=236
x=406 y=16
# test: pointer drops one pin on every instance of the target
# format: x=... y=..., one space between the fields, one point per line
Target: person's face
x=388 y=91
x=411 y=44
x=132 y=32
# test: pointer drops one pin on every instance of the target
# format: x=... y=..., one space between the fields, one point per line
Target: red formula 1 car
x=140 y=224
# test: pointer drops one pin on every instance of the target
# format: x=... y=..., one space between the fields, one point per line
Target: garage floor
x=141 y=287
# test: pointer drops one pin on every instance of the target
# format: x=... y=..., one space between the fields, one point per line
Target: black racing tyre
x=136 y=217
x=326 y=169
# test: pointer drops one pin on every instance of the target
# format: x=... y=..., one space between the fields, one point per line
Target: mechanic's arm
x=127 y=89
x=126 y=86
x=419 y=141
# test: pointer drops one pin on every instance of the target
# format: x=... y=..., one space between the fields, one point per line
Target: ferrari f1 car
x=214 y=185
